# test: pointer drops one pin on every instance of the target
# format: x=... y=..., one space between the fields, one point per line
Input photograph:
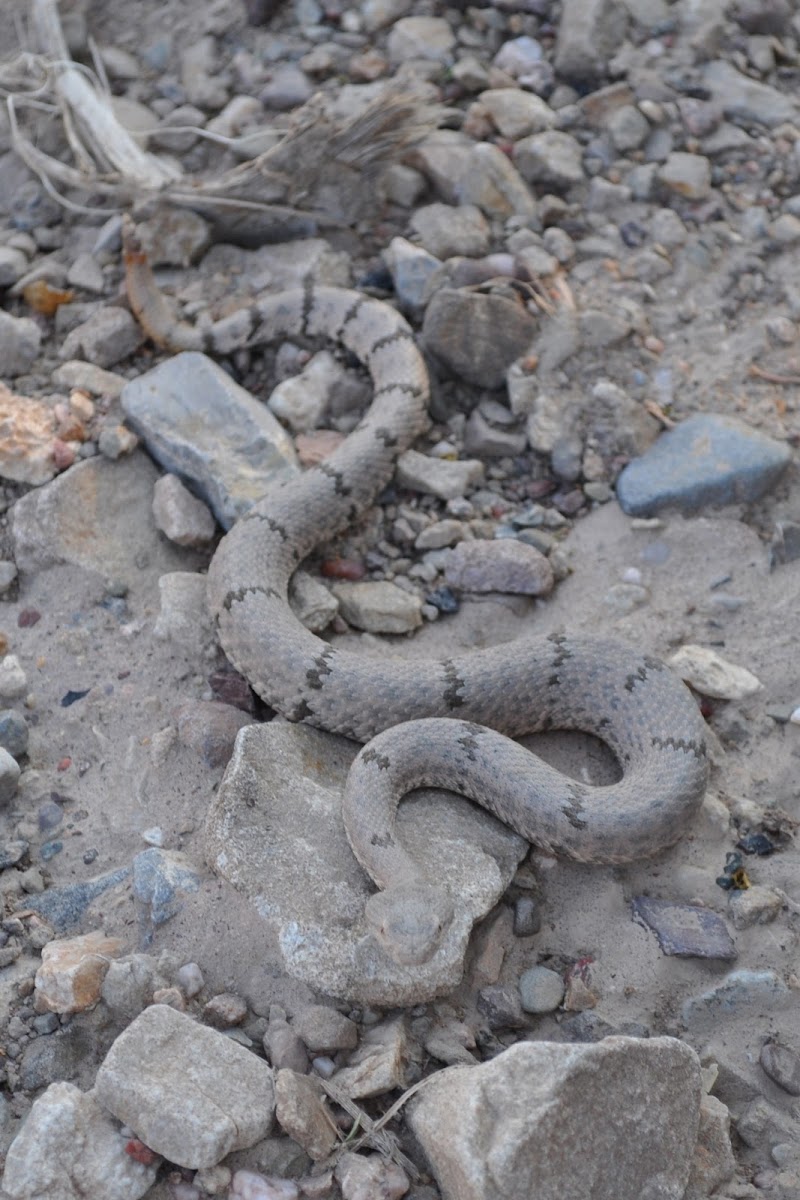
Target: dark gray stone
x=202 y=426
x=13 y=732
x=685 y=930
x=159 y=878
x=501 y=1006
x=707 y=459
x=782 y=1065
x=64 y=907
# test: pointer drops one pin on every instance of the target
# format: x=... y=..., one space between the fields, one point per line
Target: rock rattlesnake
x=436 y=724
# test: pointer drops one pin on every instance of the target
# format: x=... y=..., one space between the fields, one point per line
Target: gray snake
x=445 y=724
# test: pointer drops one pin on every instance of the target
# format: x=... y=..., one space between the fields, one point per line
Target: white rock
x=301 y=400
x=311 y=601
x=13 y=680
x=617 y=1118
x=436 y=476
x=9 y=775
x=248 y=1185
x=180 y=516
x=70 y=1149
x=189 y=1092
x=184 y=617
x=712 y=675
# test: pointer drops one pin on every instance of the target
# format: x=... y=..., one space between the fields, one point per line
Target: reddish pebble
x=343 y=568
x=140 y=1153
x=64 y=764
x=63 y=454
x=28 y=617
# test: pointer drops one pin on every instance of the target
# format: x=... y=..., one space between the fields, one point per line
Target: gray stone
x=210 y=728
x=552 y=160
x=188 y=1092
x=707 y=459
x=377 y=14
x=160 y=879
x=740 y=993
x=589 y=33
x=746 y=100
x=540 y=990
x=785 y=229
x=66 y=906
x=274 y=830
x=782 y=1065
x=477 y=336
x=201 y=425
x=686 y=930
x=70 y=1148
x=420 y=37
x=755 y=906
x=378 y=607
x=13 y=265
x=492 y=431
x=366 y=1177
x=379 y=1064
x=282 y=1045
x=628 y=128
x=20 y=340
x=86 y=274
x=303 y=1114
x=712 y=675
x=442 y=477
x=302 y=400
x=445 y=231
x=312 y=603
x=129 y=984
x=411 y=269
x=177 y=238
x=95 y=516
x=618 y=1118
x=8 y=573
x=179 y=515
x=687 y=174
x=9 y=776
x=13 y=680
x=88 y=377
x=183 y=617
x=504 y=565
x=517 y=113
x=110 y=335
x=518 y=56
x=490 y=181
x=713 y=1162
x=324 y=1030
x=179 y=142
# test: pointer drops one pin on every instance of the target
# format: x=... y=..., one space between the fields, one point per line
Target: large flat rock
x=275 y=832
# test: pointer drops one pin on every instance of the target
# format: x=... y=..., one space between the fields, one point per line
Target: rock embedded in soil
x=380 y=607
x=477 y=336
x=188 y=1092
x=72 y=972
x=503 y=565
x=27 y=434
x=445 y=478
x=618 y=1118
x=711 y=675
x=707 y=459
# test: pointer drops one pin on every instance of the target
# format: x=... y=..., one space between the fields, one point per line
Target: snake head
x=409 y=921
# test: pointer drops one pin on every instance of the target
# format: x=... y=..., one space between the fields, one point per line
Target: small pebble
x=541 y=990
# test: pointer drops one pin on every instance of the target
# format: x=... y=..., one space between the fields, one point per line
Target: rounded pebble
x=541 y=990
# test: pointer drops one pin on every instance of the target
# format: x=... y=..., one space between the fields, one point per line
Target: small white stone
x=712 y=675
x=153 y=836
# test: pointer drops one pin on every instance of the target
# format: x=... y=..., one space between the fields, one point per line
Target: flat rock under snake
x=444 y=724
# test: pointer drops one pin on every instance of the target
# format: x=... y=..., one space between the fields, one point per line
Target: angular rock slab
x=707 y=459
x=70 y=1148
x=203 y=427
x=275 y=832
x=190 y=1093
x=97 y=516
x=614 y=1120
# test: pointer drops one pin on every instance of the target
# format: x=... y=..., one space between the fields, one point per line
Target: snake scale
x=445 y=724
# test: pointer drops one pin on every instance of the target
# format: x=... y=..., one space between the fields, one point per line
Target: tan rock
x=302 y=1113
x=27 y=430
x=73 y=970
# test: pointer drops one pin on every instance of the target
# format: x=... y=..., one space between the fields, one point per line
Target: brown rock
x=27 y=430
x=302 y=1113
x=72 y=972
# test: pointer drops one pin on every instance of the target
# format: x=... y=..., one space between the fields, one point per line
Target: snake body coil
x=632 y=702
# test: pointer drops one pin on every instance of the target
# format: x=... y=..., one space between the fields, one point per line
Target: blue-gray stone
x=13 y=732
x=159 y=877
x=707 y=459
x=64 y=907
x=541 y=990
x=199 y=424
x=686 y=930
x=739 y=993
